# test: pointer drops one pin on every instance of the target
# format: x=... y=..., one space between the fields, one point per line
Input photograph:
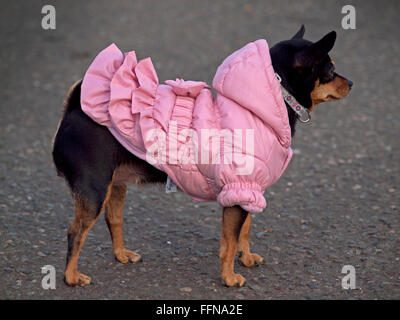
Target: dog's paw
x=233 y=279
x=250 y=260
x=125 y=256
x=77 y=279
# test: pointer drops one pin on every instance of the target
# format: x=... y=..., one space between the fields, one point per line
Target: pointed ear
x=323 y=46
x=300 y=33
x=316 y=51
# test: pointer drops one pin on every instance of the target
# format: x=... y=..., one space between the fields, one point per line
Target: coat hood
x=248 y=78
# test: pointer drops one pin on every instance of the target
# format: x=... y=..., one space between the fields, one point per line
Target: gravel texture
x=337 y=204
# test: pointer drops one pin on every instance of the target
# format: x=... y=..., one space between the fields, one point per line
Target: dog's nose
x=350 y=83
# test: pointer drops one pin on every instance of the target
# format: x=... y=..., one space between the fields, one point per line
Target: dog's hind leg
x=232 y=221
x=113 y=216
x=247 y=258
x=88 y=207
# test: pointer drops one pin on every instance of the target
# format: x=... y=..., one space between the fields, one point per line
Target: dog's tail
x=73 y=98
x=71 y=102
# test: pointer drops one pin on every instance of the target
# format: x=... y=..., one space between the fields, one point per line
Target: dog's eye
x=328 y=76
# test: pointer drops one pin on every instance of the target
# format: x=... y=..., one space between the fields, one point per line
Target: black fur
x=86 y=154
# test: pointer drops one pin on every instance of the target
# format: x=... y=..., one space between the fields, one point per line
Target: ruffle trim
x=116 y=87
x=186 y=88
x=95 y=93
x=118 y=91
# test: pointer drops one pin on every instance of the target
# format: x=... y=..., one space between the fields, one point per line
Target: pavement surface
x=337 y=204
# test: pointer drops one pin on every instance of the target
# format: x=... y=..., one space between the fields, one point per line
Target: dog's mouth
x=331 y=91
x=331 y=97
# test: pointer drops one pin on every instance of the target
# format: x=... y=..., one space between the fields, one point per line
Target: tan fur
x=80 y=227
x=129 y=174
x=232 y=222
x=247 y=258
x=113 y=216
x=338 y=88
x=84 y=219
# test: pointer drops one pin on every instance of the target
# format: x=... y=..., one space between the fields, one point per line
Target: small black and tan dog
x=97 y=168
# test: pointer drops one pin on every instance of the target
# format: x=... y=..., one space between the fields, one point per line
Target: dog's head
x=307 y=70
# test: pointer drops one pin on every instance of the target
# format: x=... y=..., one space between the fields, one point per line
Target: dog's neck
x=292 y=115
x=292 y=119
x=296 y=111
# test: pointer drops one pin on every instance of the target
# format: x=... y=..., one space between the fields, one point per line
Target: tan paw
x=234 y=279
x=77 y=279
x=125 y=256
x=250 y=260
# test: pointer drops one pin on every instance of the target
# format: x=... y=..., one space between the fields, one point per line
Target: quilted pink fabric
x=227 y=149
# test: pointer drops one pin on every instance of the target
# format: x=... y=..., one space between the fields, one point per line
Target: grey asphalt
x=336 y=205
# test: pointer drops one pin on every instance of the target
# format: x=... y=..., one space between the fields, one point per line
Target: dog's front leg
x=232 y=221
x=247 y=258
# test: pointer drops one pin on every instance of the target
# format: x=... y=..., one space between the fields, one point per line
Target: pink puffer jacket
x=228 y=149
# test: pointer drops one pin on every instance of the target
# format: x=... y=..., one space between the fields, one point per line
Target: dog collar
x=302 y=113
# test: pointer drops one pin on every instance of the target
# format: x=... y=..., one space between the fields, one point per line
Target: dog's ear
x=300 y=33
x=316 y=52
x=323 y=46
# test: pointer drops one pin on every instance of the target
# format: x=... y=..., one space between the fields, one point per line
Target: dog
x=97 y=167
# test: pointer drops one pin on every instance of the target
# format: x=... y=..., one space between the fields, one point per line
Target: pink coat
x=228 y=149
